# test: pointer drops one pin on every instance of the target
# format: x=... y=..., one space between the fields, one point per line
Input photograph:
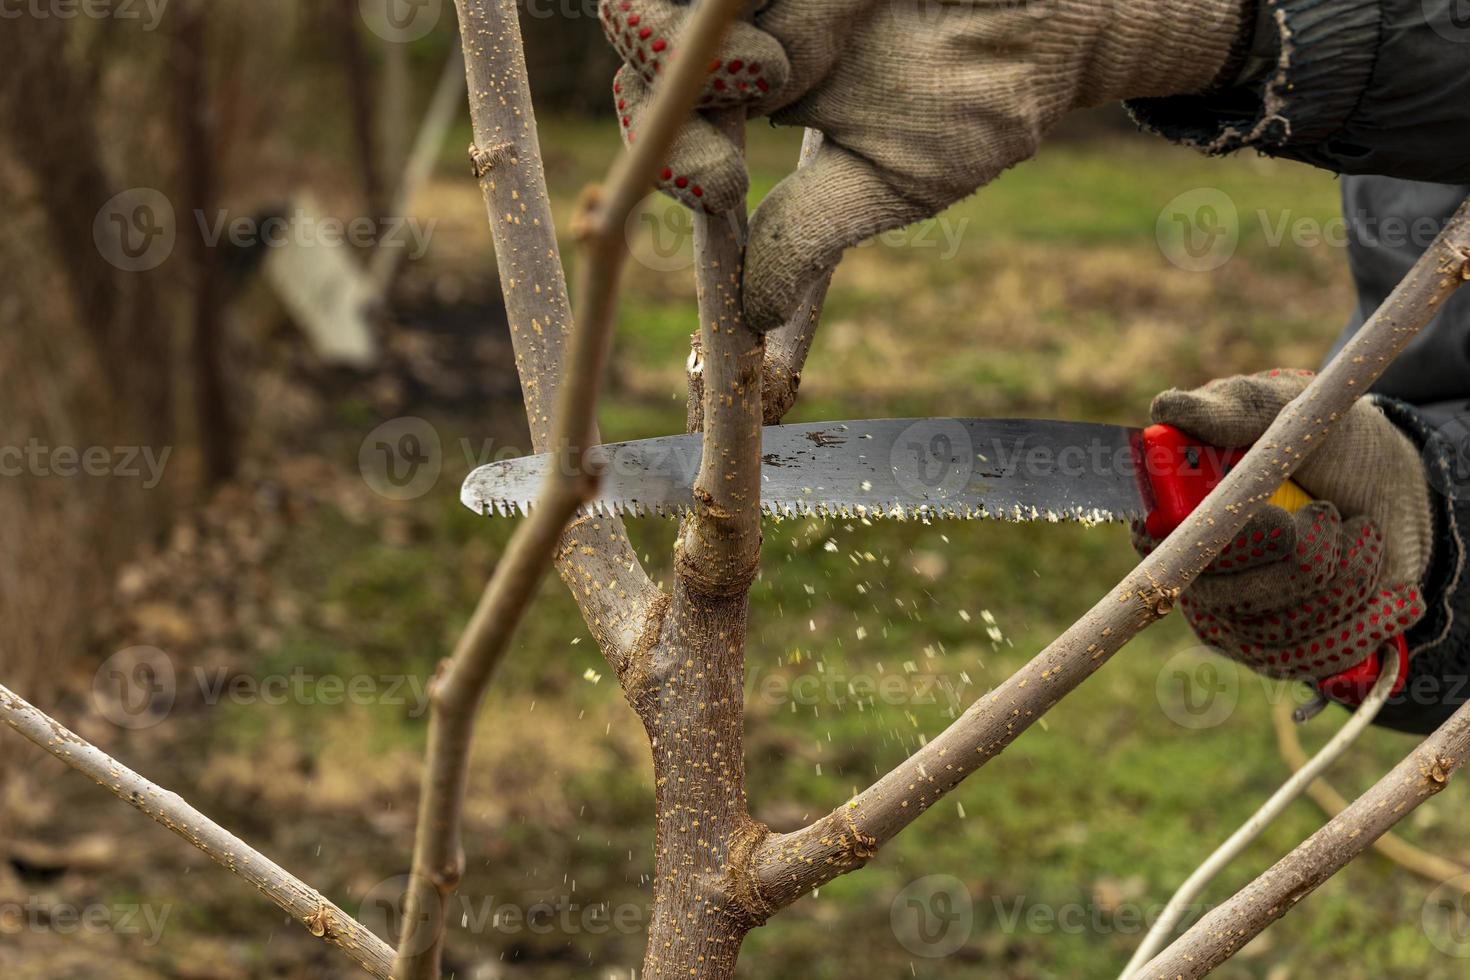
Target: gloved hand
x=921 y=103
x=1309 y=595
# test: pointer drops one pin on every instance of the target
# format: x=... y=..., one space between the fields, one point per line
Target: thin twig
x=787 y=346
x=790 y=865
x=1289 y=791
x=298 y=899
x=438 y=854
x=1433 y=867
x=446 y=103
x=1226 y=930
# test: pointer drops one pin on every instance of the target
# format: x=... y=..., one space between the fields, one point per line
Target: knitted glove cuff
x=1149 y=48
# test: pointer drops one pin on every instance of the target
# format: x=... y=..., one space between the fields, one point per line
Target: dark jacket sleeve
x=1439 y=644
x=1354 y=86
x=1426 y=392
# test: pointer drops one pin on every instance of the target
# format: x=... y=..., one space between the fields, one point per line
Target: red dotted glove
x=921 y=102
x=1311 y=594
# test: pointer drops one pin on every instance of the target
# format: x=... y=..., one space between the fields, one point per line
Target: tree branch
x=703 y=905
x=1222 y=933
x=298 y=899
x=460 y=687
x=787 y=346
x=1286 y=794
x=596 y=560
x=1421 y=862
x=787 y=866
x=719 y=548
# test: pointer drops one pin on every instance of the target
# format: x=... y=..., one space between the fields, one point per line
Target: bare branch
x=719 y=549
x=787 y=346
x=596 y=560
x=443 y=107
x=459 y=689
x=298 y=899
x=1222 y=933
x=790 y=865
x=1286 y=794
x=1395 y=848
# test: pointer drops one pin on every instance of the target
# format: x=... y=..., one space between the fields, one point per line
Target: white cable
x=1294 y=787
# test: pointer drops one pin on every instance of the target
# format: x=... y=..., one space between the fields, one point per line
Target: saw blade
x=1006 y=469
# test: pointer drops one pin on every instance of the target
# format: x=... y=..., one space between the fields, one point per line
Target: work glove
x=921 y=103
x=1308 y=595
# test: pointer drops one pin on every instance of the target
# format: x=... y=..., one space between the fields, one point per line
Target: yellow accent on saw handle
x=1290 y=497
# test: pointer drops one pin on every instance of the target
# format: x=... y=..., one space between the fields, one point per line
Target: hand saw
x=1005 y=469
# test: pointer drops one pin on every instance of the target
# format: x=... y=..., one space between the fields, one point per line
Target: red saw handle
x=1180 y=472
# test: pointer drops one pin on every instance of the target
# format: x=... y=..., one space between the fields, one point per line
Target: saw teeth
x=780 y=510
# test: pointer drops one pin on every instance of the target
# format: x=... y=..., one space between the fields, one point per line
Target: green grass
x=1057 y=301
